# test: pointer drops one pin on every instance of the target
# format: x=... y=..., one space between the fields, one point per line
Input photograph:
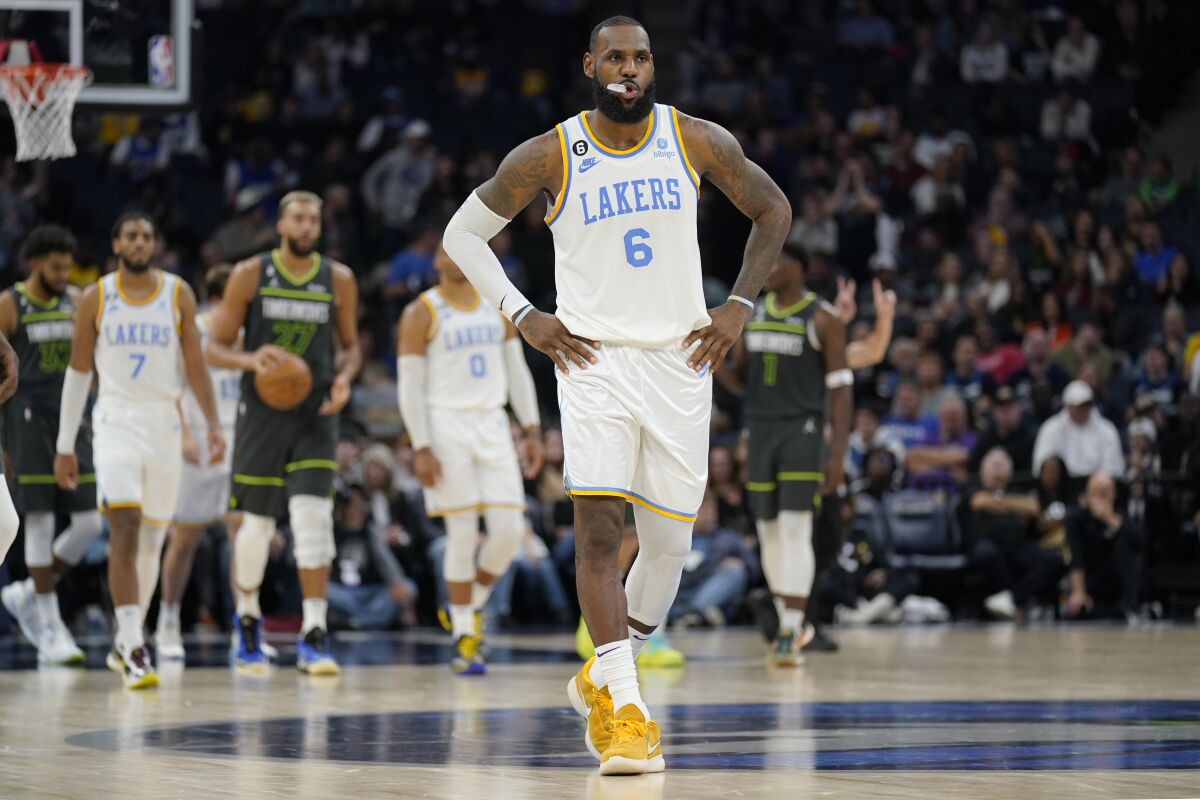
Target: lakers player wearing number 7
x=135 y=327
x=633 y=341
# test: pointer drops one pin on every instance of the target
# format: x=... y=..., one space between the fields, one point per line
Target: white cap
x=1077 y=393
x=417 y=129
x=1143 y=427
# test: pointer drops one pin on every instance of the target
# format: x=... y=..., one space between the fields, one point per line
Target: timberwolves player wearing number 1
x=459 y=362
x=136 y=326
x=633 y=342
x=290 y=300
x=37 y=317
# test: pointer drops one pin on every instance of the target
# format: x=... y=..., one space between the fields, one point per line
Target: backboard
x=141 y=52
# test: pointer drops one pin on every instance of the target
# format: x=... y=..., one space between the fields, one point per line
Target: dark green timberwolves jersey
x=786 y=369
x=43 y=344
x=296 y=314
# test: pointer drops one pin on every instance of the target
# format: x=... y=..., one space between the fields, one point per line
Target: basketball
x=285 y=387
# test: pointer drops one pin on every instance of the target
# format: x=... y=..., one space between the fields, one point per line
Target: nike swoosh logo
x=585 y=166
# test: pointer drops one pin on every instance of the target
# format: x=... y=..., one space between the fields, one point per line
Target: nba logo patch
x=162 y=61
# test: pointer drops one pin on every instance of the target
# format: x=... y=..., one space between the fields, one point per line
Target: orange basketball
x=285 y=387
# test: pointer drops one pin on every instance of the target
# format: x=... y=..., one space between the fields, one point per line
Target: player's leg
x=260 y=453
x=182 y=543
x=9 y=524
x=601 y=437
x=309 y=486
x=503 y=504
x=458 y=569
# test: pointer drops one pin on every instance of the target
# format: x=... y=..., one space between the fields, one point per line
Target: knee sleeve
x=653 y=581
x=505 y=529
x=39 y=539
x=151 y=536
x=768 y=551
x=251 y=548
x=9 y=521
x=462 y=536
x=797 y=563
x=84 y=529
x=312 y=530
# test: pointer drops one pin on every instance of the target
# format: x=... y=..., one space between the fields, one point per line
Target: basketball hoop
x=41 y=98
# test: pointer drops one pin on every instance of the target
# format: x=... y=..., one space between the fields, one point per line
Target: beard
x=298 y=249
x=51 y=289
x=615 y=109
x=135 y=266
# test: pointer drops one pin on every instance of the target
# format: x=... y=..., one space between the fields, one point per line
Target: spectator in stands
x=965 y=378
x=1106 y=555
x=1160 y=188
x=1179 y=285
x=868 y=435
x=1041 y=380
x=1002 y=541
x=393 y=185
x=907 y=423
x=867 y=119
x=940 y=461
x=1085 y=441
x=411 y=270
x=1086 y=347
x=140 y=156
x=1154 y=257
x=866 y=30
x=930 y=381
x=938 y=193
x=1007 y=432
x=1158 y=382
x=1075 y=53
x=716 y=573
x=728 y=489
x=1055 y=500
x=985 y=58
x=996 y=287
x=939 y=140
x=815 y=229
x=248 y=232
x=367 y=589
x=384 y=128
x=1126 y=182
x=1066 y=118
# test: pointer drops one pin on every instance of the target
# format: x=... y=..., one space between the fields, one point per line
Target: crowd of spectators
x=1031 y=443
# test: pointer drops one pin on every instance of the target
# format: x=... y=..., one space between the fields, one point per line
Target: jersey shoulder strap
x=436 y=304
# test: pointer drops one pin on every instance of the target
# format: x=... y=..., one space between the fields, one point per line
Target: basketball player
x=459 y=362
x=136 y=326
x=289 y=300
x=204 y=501
x=36 y=316
x=633 y=341
x=794 y=352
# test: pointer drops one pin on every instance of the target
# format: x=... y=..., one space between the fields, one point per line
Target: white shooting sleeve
x=466 y=242
x=410 y=393
x=76 y=386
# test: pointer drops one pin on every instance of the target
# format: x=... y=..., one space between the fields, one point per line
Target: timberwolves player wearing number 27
x=136 y=327
x=634 y=345
x=290 y=300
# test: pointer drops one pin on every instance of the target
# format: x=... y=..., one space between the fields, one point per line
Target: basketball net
x=40 y=98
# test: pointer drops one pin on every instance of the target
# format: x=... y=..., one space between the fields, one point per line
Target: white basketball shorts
x=479 y=463
x=204 y=488
x=635 y=425
x=138 y=455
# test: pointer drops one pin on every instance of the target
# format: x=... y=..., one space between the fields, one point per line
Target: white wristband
x=839 y=378
x=743 y=301
x=522 y=314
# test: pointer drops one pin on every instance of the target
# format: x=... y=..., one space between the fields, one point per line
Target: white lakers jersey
x=465 y=355
x=626 y=257
x=137 y=343
x=226 y=384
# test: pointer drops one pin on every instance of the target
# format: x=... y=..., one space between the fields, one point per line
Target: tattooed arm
x=717 y=156
x=534 y=166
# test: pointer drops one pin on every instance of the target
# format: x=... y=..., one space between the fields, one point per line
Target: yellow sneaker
x=636 y=746
x=594 y=705
x=657 y=653
x=583 y=641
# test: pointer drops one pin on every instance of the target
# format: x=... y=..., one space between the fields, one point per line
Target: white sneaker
x=1001 y=605
x=270 y=652
x=18 y=599
x=168 y=643
x=57 y=647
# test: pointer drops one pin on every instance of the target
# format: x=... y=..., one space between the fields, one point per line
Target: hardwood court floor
x=995 y=712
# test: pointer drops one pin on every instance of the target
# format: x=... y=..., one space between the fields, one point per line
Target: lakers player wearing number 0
x=135 y=327
x=459 y=362
x=37 y=315
x=290 y=300
x=633 y=342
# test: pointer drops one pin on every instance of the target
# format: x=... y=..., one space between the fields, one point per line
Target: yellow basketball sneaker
x=636 y=746
x=657 y=653
x=594 y=705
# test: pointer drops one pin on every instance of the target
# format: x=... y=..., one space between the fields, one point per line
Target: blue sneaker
x=313 y=656
x=248 y=656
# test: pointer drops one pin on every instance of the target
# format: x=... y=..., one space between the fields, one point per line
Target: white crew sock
x=129 y=629
x=47 y=607
x=792 y=619
x=637 y=640
x=480 y=594
x=168 y=616
x=615 y=660
x=314 y=614
x=462 y=621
